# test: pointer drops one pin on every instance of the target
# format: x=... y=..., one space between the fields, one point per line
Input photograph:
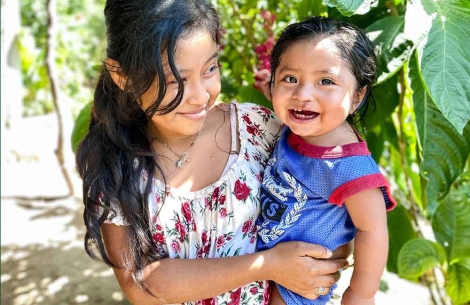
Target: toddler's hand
x=352 y=298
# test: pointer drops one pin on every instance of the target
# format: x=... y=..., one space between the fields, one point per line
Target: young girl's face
x=197 y=62
x=314 y=91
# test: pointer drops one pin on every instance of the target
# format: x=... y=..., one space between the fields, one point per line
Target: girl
x=321 y=184
x=171 y=175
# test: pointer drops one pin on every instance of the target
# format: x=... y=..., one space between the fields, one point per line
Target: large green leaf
x=458 y=282
x=418 y=256
x=451 y=225
x=350 y=7
x=400 y=231
x=80 y=128
x=386 y=100
x=387 y=35
x=445 y=61
x=444 y=150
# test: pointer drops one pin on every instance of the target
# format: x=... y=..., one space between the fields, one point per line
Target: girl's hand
x=302 y=267
x=262 y=78
x=352 y=298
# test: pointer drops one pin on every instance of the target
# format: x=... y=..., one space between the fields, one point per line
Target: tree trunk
x=61 y=103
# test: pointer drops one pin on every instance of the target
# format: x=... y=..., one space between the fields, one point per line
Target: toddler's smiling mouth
x=303 y=114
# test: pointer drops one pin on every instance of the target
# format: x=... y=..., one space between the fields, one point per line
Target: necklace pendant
x=184 y=159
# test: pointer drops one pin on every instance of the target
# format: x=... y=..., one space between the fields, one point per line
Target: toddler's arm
x=367 y=210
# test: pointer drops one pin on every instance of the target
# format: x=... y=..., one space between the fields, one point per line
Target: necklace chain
x=183 y=158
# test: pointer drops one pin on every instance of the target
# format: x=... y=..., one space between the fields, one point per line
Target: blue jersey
x=303 y=193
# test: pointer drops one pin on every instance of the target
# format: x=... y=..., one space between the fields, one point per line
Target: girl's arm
x=367 y=210
x=178 y=280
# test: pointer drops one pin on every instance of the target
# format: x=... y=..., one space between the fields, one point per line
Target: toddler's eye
x=326 y=81
x=290 y=79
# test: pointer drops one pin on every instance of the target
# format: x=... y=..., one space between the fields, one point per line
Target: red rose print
x=253 y=130
x=247 y=226
x=181 y=230
x=186 y=210
x=252 y=239
x=220 y=241
x=204 y=237
x=208 y=301
x=241 y=190
x=159 y=238
x=235 y=297
x=254 y=290
x=159 y=227
x=175 y=246
x=222 y=199
x=215 y=194
x=246 y=118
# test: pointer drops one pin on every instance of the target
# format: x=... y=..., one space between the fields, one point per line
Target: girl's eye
x=212 y=69
x=290 y=79
x=326 y=81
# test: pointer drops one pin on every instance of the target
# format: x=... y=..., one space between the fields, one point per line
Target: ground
x=42 y=254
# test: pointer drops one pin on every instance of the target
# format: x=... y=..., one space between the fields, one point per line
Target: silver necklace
x=183 y=158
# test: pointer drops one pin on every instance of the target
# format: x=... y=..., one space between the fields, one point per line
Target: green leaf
x=386 y=100
x=351 y=7
x=444 y=151
x=375 y=142
x=444 y=64
x=458 y=282
x=451 y=225
x=418 y=256
x=81 y=126
x=308 y=8
x=251 y=95
x=387 y=35
x=400 y=231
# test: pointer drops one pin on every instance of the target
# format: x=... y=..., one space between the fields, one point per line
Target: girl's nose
x=303 y=93
x=197 y=94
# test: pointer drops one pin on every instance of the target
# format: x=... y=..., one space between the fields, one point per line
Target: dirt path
x=42 y=255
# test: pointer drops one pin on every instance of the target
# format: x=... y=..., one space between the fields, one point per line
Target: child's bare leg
x=276 y=298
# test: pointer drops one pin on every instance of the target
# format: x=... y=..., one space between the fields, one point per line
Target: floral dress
x=219 y=220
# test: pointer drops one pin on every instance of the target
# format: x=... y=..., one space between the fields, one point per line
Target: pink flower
x=175 y=246
x=223 y=213
x=241 y=190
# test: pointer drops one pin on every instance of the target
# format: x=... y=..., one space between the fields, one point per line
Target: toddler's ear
x=116 y=73
x=359 y=99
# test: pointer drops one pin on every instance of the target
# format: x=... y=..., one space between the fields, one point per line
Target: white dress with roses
x=219 y=220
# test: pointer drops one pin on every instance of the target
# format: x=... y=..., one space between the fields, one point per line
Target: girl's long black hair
x=116 y=152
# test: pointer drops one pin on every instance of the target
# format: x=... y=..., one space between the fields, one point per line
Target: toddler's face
x=314 y=91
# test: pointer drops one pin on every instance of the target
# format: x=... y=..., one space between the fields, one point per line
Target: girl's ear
x=114 y=68
x=358 y=99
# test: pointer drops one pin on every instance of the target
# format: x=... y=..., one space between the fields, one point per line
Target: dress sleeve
x=258 y=125
x=115 y=215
